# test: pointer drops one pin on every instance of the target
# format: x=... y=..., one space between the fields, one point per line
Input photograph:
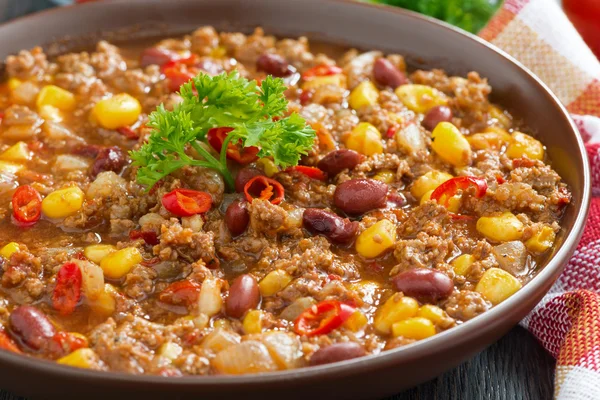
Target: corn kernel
x=9 y=168
x=365 y=94
x=420 y=98
x=337 y=80
x=222 y=323
x=57 y=97
x=414 y=328
x=396 y=308
x=274 y=282
x=97 y=252
x=13 y=83
x=542 y=240
x=357 y=321
x=451 y=145
x=80 y=358
x=454 y=202
x=253 y=322
x=50 y=113
x=19 y=152
x=500 y=116
x=461 y=264
x=365 y=139
x=63 y=202
x=117 y=111
x=426 y=197
x=170 y=350
x=492 y=138
x=385 y=176
x=432 y=313
x=523 y=145
x=118 y=264
x=268 y=166
x=376 y=239
x=502 y=228
x=497 y=285
x=218 y=52
x=9 y=249
x=428 y=182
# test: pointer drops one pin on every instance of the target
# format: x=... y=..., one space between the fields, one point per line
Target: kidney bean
x=338 y=160
x=32 y=326
x=109 y=159
x=435 y=116
x=274 y=64
x=387 y=74
x=357 y=196
x=337 y=352
x=243 y=176
x=424 y=284
x=88 y=150
x=237 y=218
x=330 y=225
x=156 y=56
x=243 y=296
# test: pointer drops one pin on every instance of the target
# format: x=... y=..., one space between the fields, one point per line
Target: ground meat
x=26 y=269
x=266 y=217
x=254 y=46
x=139 y=282
x=465 y=305
x=176 y=241
x=28 y=64
x=305 y=191
x=424 y=251
x=204 y=40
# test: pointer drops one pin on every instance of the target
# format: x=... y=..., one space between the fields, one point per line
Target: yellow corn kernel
x=461 y=264
x=222 y=323
x=357 y=321
x=170 y=350
x=454 y=202
x=542 y=240
x=253 y=322
x=9 y=168
x=385 y=176
x=493 y=138
x=497 y=285
x=420 y=98
x=9 y=249
x=451 y=145
x=117 y=111
x=500 y=116
x=63 y=202
x=50 y=113
x=396 y=308
x=376 y=239
x=13 y=83
x=97 y=252
x=104 y=303
x=426 y=197
x=523 y=145
x=80 y=358
x=365 y=94
x=414 y=328
x=502 y=228
x=366 y=139
x=218 y=52
x=337 y=80
x=118 y=264
x=268 y=166
x=274 y=282
x=432 y=313
x=428 y=182
x=18 y=152
x=60 y=98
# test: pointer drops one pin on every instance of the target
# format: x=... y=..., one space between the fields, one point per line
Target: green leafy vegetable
x=227 y=100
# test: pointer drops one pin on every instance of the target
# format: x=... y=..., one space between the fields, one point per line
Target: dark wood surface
x=515 y=368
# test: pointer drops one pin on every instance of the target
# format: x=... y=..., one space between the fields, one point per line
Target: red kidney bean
x=31 y=326
x=387 y=74
x=156 y=56
x=338 y=160
x=88 y=150
x=424 y=284
x=330 y=225
x=243 y=176
x=357 y=196
x=337 y=352
x=436 y=115
x=237 y=218
x=274 y=64
x=243 y=296
x=109 y=159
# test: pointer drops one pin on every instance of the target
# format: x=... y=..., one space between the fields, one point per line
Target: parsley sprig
x=228 y=100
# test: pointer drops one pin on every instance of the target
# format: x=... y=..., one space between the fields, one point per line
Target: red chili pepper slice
x=6 y=343
x=187 y=202
x=264 y=188
x=311 y=172
x=443 y=193
x=184 y=292
x=67 y=291
x=235 y=151
x=149 y=237
x=27 y=205
x=322 y=318
x=177 y=76
x=189 y=61
x=321 y=70
x=67 y=342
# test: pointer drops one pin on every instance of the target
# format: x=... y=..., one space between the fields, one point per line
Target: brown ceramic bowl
x=427 y=43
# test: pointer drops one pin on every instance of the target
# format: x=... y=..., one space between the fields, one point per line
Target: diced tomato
x=264 y=188
x=68 y=342
x=128 y=133
x=149 y=237
x=322 y=318
x=183 y=292
x=6 y=343
x=321 y=70
x=27 y=205
x=67 y=291
x=187 y=202
x=189 y=61
x=311 y=172
x=500 y=179
x=391 y=132
x=242 y=155
x=178 y=77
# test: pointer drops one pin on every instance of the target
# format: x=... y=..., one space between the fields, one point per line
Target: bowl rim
x=465 y=332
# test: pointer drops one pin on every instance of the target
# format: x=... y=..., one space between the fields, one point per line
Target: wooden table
x=515 y=368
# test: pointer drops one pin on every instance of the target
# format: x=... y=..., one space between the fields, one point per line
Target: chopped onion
x=292 y=311
x=284 y=349
x=410 y=139
x=220 y=339
x=244 y=358
x=511 y=256
x=210 y=301
x=93 y=278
